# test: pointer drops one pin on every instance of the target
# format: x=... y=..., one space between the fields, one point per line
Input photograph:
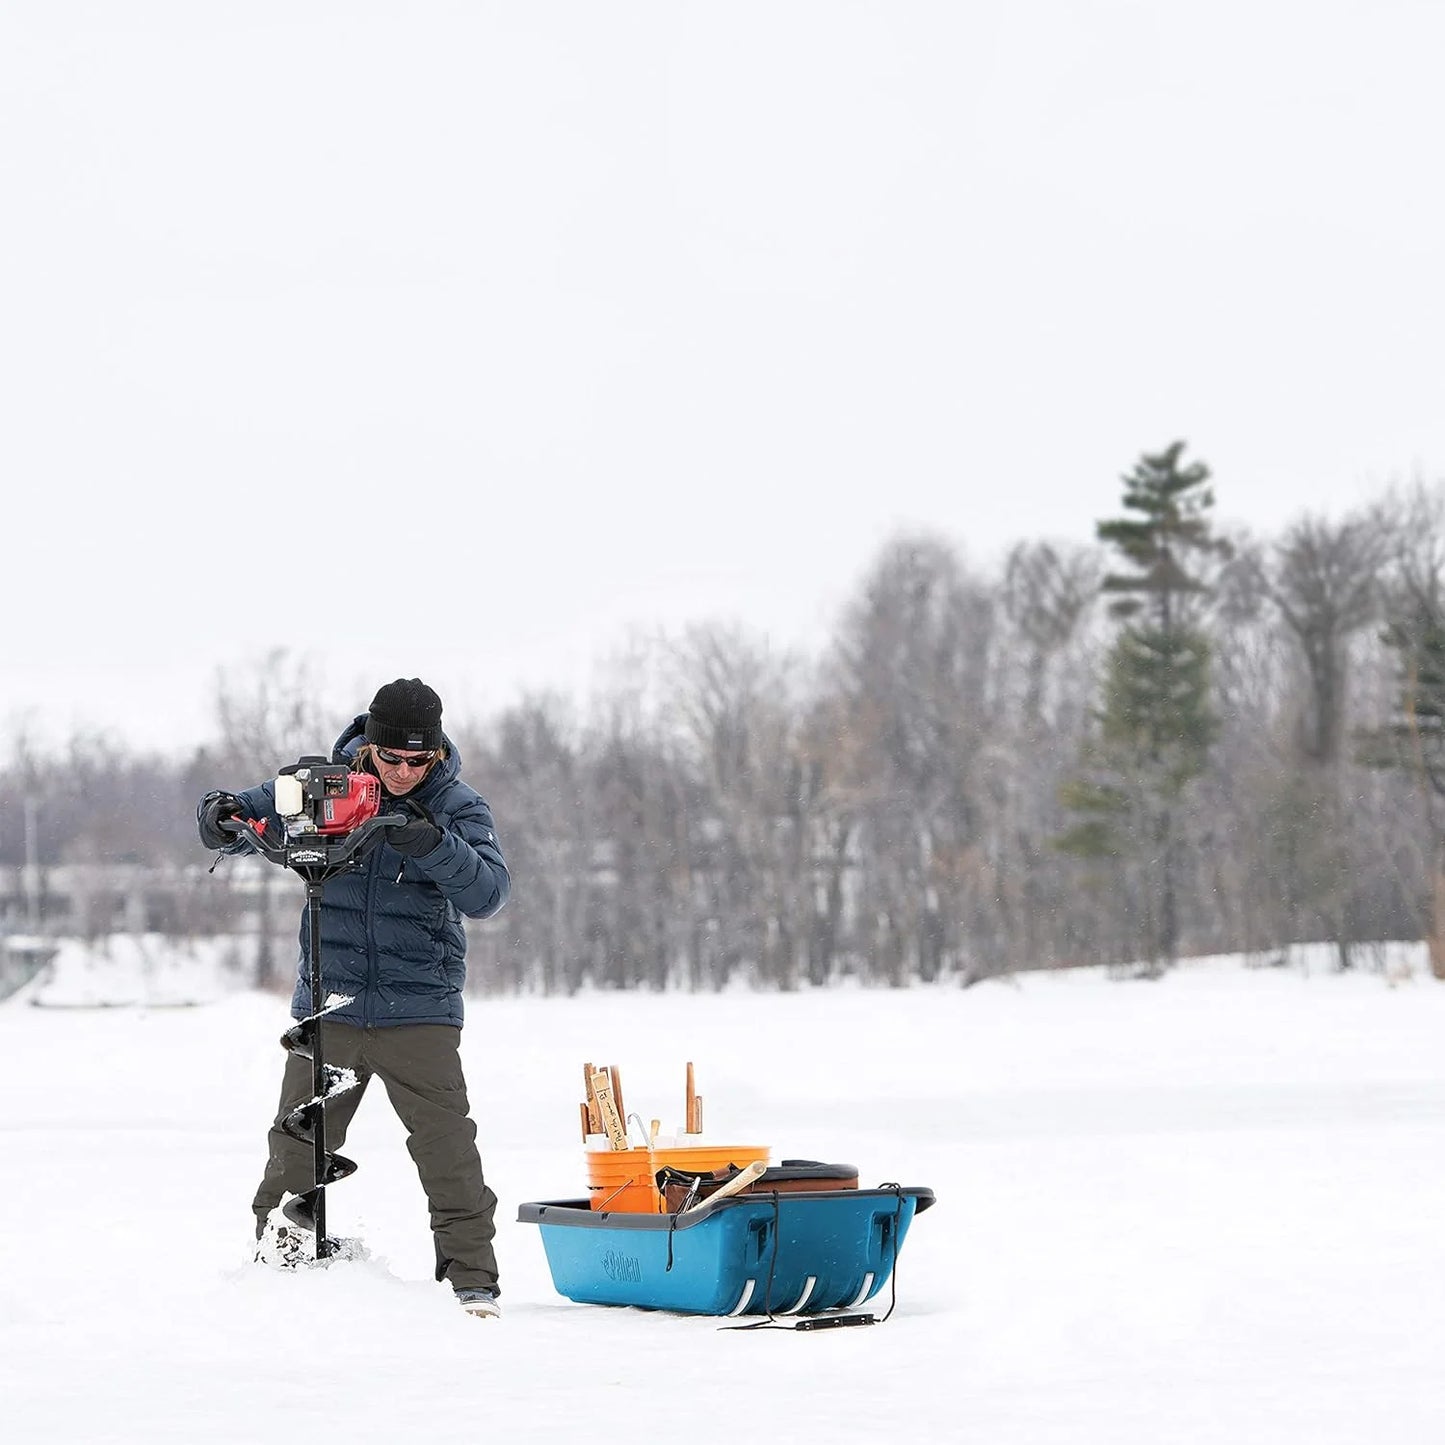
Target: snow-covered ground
x=1206 y=1209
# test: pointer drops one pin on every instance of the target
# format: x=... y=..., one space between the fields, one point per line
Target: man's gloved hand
x=214 y=809
x=419 y=834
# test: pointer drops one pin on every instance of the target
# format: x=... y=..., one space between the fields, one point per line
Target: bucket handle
x=626 y=1183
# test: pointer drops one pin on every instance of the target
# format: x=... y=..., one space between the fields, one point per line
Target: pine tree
x=1155 y=725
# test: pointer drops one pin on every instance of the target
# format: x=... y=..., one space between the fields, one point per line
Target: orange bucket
x=624 y=1180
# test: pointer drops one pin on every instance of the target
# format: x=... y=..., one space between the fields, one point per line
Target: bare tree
x=535 y=778
x=912 y=666
x=269 y=715
x=1412 y=734
x=1047 y=594
x=738 y=706
x=638 y=795
x=1324 y=584
x=1048 y=599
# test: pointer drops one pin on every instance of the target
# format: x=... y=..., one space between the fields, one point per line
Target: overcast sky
x=461 y=339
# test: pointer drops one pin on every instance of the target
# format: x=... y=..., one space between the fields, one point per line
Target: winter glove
x=419 y=834
x=214 y=809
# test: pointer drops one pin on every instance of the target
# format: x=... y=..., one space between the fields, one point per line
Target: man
x=392 y=939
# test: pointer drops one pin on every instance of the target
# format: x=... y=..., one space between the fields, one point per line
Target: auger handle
x=252 y=831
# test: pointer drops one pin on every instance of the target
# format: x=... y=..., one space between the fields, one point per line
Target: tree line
x=1176 y=740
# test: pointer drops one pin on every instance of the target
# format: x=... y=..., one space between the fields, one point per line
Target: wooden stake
x=586 y=1120
x=616 y=1075
x=690 y=1105
x=594 y=1119
x=611 y=1120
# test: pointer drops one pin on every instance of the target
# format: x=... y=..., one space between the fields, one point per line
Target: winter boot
x=479 y=1302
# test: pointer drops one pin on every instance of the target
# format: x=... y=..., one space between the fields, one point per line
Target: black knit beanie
x=405 y=714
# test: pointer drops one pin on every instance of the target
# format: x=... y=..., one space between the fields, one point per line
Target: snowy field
x=1206 y=1209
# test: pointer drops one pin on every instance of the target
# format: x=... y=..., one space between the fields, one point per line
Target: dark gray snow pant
x=421 y=1070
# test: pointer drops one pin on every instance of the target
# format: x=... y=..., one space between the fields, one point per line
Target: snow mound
x=135 y=971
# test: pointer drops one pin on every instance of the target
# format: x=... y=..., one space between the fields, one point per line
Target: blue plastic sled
x=746 y=1254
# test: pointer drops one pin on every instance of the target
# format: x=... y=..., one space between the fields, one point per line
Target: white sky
x=461 y=339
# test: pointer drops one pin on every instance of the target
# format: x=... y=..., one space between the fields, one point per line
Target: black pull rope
x=893 y=1271
x=770 y=1322
x=682 y=1208
x=821 y=1322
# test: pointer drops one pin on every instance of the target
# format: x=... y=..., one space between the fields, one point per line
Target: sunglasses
x=398 y=760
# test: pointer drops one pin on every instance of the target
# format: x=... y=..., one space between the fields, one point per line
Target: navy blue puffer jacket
x=391 y=930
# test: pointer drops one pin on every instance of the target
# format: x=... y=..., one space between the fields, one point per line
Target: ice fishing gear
x=330 y=819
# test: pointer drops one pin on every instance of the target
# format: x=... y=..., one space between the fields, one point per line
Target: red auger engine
x=316 y=796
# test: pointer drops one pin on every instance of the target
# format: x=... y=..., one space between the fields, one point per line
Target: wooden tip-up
x=603 y=1112
x=607 y=1108
x=594 y=1119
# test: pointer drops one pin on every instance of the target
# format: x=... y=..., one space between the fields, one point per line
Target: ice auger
x=329 y=822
